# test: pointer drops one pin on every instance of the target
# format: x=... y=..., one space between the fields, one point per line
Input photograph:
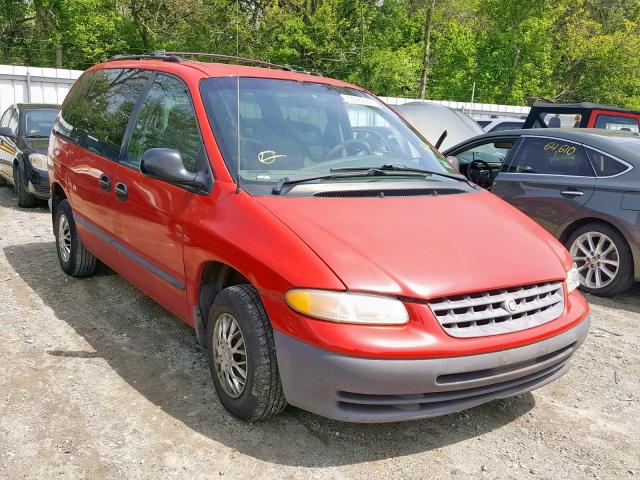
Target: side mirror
x=455 y=163
x=7 y=132
x=166 y=164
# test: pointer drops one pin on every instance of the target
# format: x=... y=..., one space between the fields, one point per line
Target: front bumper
x=38 y=183
x=358 y=389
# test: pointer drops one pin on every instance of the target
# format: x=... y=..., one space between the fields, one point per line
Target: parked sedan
x=24 y=138
x=582 y=185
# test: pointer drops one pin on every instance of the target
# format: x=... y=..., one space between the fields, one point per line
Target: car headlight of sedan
x=345 y=307
x=573 y=279
x=38 y=161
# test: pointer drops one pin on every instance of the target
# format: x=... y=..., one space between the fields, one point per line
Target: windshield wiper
x=402 y=168
x=341 y=173
x=37 y=136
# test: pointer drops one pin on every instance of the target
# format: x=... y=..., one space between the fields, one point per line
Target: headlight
x=348 y=307
x=38 y=161
x=573 y=279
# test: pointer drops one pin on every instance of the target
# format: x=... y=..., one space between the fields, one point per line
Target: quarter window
x=166 y=120
x=547 y=156
x=97 y=110
x=604 y=165
x=4 y=122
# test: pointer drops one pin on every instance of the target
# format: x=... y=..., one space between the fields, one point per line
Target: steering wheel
x=479 y=172
x=344 y=145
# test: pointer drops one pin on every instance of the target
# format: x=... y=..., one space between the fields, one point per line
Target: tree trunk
x=58 y=57
x=426 y=58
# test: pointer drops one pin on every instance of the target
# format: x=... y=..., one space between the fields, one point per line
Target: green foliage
x=516 y=52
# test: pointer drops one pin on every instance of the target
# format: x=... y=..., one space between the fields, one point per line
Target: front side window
x=166 y=120
x=97 y=110
x=604 y=165
x=614 y=122
x=547 y=156
x=286 y=129
x=492 y=153
x=38 y=123
x=14 y=121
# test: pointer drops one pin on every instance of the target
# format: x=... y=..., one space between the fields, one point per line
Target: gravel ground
x=98 y=381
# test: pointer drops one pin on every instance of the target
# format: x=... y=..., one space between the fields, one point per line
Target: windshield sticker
x=269 y=156
x=559 y=148
x=355 y=100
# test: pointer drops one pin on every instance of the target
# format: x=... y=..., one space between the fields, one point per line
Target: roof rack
x=147 y=56
x=177 y=57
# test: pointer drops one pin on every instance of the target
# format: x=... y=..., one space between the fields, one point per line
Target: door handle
x=572 y=193
x=122 y=192
x=104 y=182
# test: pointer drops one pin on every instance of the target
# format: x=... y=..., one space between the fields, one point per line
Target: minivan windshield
x=289 y=129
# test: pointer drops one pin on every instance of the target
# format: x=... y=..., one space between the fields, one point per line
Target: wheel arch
x=215 y=276
x=576 y=224
x=57 y=195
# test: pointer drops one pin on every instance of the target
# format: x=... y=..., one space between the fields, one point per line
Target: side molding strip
x=132 y=255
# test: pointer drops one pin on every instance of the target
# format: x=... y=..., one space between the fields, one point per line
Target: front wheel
x=25 y=199
x=75 y=260
x=242 y=355
x=603 y=259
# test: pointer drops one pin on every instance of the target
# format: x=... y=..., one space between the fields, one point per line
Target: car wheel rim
x=64 y=238
x=597 y=259
x=230 y=355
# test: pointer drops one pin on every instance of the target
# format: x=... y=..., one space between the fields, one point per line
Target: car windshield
x=286 y=129
x=38 y=123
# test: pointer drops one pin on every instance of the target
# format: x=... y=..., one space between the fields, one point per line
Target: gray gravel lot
x=98 y=381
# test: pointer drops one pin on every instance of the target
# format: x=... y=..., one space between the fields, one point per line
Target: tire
x=3 y=181
x=261 y=397
x=25 y=199
x=619 y=252
x=77 y=261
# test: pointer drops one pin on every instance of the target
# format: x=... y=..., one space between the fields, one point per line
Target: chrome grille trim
x=485 y=313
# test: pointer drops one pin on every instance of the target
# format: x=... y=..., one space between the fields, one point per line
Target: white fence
x=50 y=85
x=34 y=85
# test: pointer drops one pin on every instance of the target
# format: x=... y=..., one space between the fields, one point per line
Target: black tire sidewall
x=624 y=277
x=25 y=199
x=63 y=208
x=248 y=318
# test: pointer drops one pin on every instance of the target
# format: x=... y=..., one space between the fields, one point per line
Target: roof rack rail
x=147 y=56
x=235 y=58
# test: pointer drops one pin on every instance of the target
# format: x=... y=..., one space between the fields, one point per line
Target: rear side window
x=97 y=110
x=604 y=165
x=546 y=156
x=166 y=120
x=614 y=122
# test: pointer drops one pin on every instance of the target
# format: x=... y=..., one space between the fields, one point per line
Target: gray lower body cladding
x=355 y=389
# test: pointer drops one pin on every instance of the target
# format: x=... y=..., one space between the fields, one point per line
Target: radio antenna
x=238 y=99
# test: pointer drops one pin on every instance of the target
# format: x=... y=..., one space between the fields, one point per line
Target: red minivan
x=327 y=256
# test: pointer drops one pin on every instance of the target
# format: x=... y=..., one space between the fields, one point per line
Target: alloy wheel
x=230 y=355
x=597 y=259
x=64 y=238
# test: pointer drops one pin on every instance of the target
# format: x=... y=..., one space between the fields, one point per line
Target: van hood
x=424 y=246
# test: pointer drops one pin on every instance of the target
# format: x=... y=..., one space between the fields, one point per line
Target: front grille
x=487 y=313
